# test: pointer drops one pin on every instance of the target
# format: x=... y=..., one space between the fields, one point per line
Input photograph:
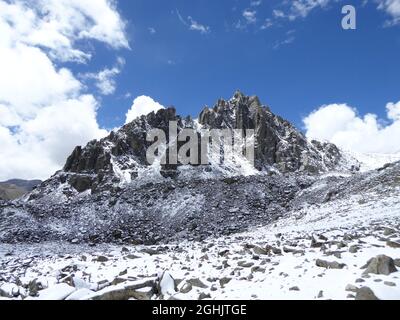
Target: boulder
x=329 y=265
x=166 y=284
x=365 y=293
x=380 y=265
x=80 y=294
x=57 y=292
x=9 y=290
x=195 y=282
x=245 y=264
x=260 y=251
x=393 y=244
x=185 y=288
x=139 y=290
x=351 y=288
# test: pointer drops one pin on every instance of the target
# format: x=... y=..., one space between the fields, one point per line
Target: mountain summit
x=279 y=146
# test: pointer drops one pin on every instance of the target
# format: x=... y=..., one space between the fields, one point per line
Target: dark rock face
x=278 y=143
x=89 y=167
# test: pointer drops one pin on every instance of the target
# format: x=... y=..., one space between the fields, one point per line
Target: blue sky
x=323 y=64
x=72 y=70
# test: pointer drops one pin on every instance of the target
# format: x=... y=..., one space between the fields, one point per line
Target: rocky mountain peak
x=279 y=145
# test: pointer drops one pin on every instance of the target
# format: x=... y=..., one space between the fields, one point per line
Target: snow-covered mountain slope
x=315 y=253
x=372 y=161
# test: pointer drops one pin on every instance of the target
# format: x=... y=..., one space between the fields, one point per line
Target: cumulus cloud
x=142 y=105
x=342 y=125
x=44 y=111
x=58 y=25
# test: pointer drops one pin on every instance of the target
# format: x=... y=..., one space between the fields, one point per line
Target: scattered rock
x=329 y=265
x=150 y=251
x=197 y=283
x=126 y=291
x=224 y=281
x=380 y=265
x=34 y=287
x=365 y=293
x=351 y=288
x=353 y=249
x=260 y=251
x=132 y=257
x=166 y=284
x=292 y=250
x=274 y=250
x=294 y=289
x=9 y=290
x=101 y=259
x=393 y=244
x=186 y=288
x=388 y=232
x=257 y=269
x=389 y=284
x=203 y=296
x=56 y=292
x=80 y=294
x=245 y=264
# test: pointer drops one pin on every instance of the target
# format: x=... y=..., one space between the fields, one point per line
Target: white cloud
x=105 y=79
x=250 y=16
x=255 y=3
x=141 y=106
x=287 y=41
x=299 y=9
x=392 y=8
x=152 y=30
x=341 y=124
x=278 y=13
x=43 y=110
x=302 y=8
x=193 y=24
x=58 y=25
x=267 y=24
x=293 y=10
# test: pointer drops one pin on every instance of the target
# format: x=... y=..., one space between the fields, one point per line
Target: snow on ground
x=273 y=262
x=372 y=161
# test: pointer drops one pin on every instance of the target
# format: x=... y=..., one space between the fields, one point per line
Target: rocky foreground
x=345 y=249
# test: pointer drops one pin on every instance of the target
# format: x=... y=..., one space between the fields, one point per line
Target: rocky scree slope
x=108 y=193
x=13 y=189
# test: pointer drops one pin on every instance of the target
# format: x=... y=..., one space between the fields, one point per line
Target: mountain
x=306 y=216
x=13 y=189
x=107 y=192
x=121 y=157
